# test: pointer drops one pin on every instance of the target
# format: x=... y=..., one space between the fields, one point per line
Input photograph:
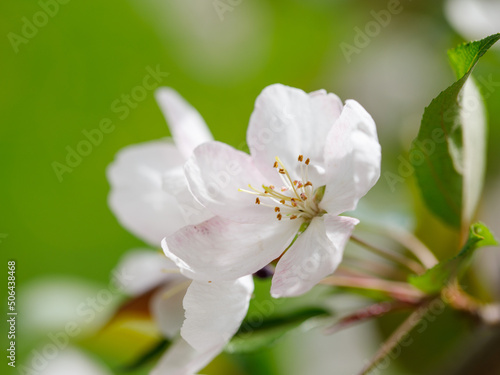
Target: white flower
x=214 y=311
x=149 y=194
x=312 y=159
x=150 y=197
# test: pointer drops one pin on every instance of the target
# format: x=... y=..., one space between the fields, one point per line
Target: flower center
x=295 y=199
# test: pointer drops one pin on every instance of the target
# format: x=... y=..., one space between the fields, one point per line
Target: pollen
x=292 y=199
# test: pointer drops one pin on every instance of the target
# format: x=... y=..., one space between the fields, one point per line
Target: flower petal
x=137 y=197
x=214 y=311
x=219 y=249
x=182 y=359
x=141 y=270
x=185 y=123
x=287 y=122
x=215 y=172
x=166 y=307
x=352 y=157
x=315 y=254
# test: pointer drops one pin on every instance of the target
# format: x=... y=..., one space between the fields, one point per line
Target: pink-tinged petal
x=314 y=255
x=215 y=173
x=182 y=359
x=137 y=197
x=219 y=249
x=166 y=307
x=352 y=156
x=142 y=270
x=214 y=311
x=287 y=122
x=185 y=123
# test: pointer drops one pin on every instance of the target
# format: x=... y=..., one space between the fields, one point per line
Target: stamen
x=282 y=171
x=282 y=201
x=276 y=209
x=293 y=217
x=308 y=183
x=308 y=161
x=279 y=216
x=257 y=200
x=301 y=157
x=275 y=164
x=303 y=196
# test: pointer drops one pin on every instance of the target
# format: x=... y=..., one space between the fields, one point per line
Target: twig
x=398 y=335
x=413 y=244
x=397 y=290
x=395 y=257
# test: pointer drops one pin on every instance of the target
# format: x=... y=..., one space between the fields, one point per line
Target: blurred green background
x=66 y=76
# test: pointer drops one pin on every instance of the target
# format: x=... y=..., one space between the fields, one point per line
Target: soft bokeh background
x=65 y=79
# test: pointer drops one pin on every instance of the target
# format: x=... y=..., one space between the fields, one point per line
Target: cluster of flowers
x=221 y=215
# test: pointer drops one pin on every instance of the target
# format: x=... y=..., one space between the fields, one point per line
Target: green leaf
x=255 y=334
x=448 y=153
x=441 y=274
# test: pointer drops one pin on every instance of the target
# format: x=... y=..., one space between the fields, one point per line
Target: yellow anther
x=301 y=157
x=279 y=216
x=257 y=200
x=308 y=161
x=276 y=209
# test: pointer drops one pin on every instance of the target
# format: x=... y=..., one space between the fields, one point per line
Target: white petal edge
x=218 y=249
x=287 y=122
x=182 y=359
x=314 y=255
x=216 y=172
x=139 y=271
x=166 y=307
x=185 y=123
x=137 y=197
x=352 y=157
x=214 y=311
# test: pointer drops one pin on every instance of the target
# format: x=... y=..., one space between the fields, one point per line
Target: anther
x=282 y=201
x=308 y=183
x=276 y=209
x=308 y=161
x=293 y=217
x=257 y=201
x=282 y=171
x=301 y=157
x=303 y=196
x=299 y=185
x=275 y=164
x=279 y=216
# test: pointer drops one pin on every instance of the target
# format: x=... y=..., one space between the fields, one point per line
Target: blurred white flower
x=150 y=197
x=74 y=362
x=312 y=159
x=474 y=19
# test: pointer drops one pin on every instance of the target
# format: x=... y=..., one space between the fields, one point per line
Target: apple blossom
x=150 y=197
x=311 y=159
